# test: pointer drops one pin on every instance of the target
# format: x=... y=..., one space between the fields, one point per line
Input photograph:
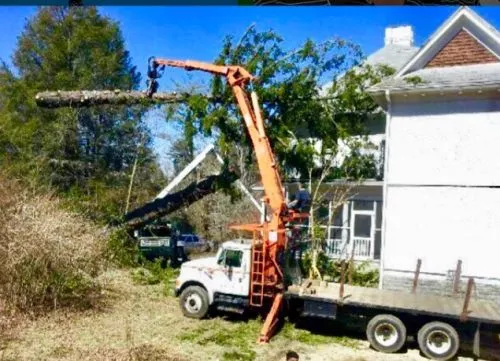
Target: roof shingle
x=442 y=78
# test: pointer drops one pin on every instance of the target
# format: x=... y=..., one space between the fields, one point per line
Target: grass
x=238 y=339
x=152 y=273
x=290 y=332
x=137 y=322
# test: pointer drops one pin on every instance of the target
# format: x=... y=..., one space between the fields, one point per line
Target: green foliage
x=287 y=84
x=414 y=80
x=122 y=249
x=363 y=274
x=246 y=355
x=152 y=273
x=86 y=154
x=290 y=332
x=238 y=339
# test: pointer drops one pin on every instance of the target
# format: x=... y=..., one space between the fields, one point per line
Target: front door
x=362 y=229
x=232 y=273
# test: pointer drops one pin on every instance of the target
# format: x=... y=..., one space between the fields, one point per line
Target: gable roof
x=418 y=75
x=463 y=49
x=478 y=76
x=463 y=18
x=392 y=55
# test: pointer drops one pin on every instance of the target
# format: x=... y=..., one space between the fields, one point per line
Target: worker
x=292 y=356
x=302 y=200
x=178 y=245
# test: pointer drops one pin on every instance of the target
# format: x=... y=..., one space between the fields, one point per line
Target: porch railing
x=338 y=248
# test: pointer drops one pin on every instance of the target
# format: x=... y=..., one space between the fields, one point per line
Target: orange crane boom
x=270 y=239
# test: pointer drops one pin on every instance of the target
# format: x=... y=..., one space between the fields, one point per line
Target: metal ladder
x=257 y=275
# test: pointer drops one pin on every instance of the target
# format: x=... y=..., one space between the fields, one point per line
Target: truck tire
x=386 y=333
x=194 y=302
x=438 y=341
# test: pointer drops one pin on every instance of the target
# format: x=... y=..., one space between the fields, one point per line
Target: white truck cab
x=221 y=282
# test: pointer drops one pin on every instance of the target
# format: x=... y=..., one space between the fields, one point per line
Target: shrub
x=48 y=256
x=362 y=274
x=122 y=249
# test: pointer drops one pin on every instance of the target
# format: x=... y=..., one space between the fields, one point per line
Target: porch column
x=329 y=230
x=345 y=222
x=373 y=230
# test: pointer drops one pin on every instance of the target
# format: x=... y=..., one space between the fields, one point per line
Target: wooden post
x=417 y=274
x=457 y=276
x=468 y=294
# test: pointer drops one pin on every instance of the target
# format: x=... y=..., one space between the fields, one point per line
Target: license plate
x=151 y=243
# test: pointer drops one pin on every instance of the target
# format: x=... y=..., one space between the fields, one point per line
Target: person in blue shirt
x=302 y=200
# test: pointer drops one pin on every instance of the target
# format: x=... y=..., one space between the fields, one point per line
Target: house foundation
x=442 y=285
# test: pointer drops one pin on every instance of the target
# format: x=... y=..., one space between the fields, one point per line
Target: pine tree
x=83 y=151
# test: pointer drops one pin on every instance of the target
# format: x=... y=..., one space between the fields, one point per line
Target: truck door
x=232 y=273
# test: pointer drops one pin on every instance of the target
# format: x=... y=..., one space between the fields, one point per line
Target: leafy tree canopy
x=78 y=150
x=289 y=84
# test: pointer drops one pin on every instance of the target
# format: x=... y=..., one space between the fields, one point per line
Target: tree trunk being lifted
x=159 y=207
x=174 y=201
x=85 y=98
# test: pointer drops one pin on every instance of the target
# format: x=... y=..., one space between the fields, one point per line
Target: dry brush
x=49 y=257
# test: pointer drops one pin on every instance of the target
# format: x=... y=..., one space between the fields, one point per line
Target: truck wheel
x=194 y=302
x=386 y=333
x=438 y=341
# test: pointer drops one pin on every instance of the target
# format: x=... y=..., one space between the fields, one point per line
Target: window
x=230 y=258
x=362 y=225
x=222 y=257
x=187 y=238
x=363 y=205
x=337 y=217
x=233 y=258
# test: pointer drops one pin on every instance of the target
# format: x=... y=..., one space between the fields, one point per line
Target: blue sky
x=197 y=32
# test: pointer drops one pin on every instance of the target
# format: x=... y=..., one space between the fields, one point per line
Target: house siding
x=445 y=143
x=442 y=200
x=463 y=49
x=441 y=225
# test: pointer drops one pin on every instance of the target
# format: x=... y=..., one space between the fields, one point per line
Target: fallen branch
x=85 y=98
x=171 y=202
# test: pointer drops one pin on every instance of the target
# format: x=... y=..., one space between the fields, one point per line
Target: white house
x=441 y=186
x=356 y=226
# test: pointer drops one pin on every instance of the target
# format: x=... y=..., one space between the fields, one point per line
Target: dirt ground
x=144 y=322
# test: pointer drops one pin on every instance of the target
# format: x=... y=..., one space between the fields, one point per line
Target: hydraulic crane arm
x=238 y=77
x=266 y=275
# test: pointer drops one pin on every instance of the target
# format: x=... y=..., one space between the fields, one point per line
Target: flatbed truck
x=440 y=324
x=250 y=275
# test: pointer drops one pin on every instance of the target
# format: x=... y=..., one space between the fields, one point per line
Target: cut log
x=172 y=202
x=86 y=98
